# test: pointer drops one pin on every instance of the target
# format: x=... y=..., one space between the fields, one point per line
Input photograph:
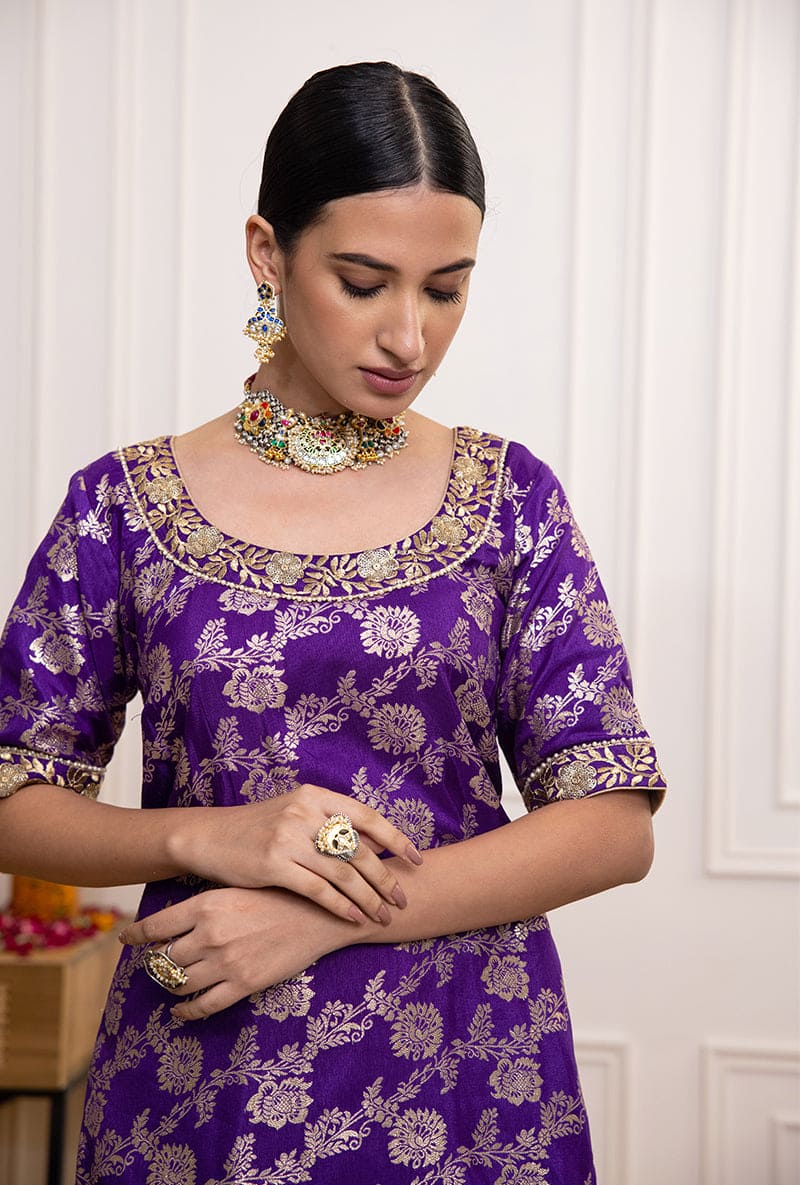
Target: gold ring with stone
x=164 y=970
x=337 y=837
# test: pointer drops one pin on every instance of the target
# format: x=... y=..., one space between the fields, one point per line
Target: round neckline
x=320 y=556
x=192 y=542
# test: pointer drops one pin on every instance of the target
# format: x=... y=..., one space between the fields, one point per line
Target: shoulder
x=113 y=468
x=101 y=500
x=527 y=471
x=523 y=475
x=532 y=514
x=110 y=469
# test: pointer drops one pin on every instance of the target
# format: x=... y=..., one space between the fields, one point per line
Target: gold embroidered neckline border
x=195 y=545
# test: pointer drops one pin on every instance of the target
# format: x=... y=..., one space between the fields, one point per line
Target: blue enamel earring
x=265 y=327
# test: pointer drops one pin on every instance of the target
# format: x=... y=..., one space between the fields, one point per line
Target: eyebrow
x=368 y=261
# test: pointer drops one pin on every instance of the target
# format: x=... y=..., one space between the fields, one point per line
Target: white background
x=633 y=319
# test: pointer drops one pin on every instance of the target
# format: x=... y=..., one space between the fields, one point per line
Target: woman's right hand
x=272 y=844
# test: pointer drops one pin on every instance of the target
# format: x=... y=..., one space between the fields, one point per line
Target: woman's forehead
x=393 y=224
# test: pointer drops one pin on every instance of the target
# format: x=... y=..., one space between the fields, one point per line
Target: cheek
x=327 y=321
x=444 y=332
x=325 y=336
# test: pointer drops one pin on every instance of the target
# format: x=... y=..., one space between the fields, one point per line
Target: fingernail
x=356 y=914
x=384 y=915
x=399 y=897
x=413 y=855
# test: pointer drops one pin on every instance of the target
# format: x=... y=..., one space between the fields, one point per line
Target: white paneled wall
x=634 y=319
x=750 y=1109
x=756 y=529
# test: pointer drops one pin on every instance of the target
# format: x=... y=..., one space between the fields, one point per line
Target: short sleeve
x=567 y=720
x=65 y=671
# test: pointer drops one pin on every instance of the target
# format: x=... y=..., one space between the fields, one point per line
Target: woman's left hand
x=233 y=942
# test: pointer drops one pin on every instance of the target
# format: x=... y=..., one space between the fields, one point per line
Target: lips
x=389 y=382
x=398 y=375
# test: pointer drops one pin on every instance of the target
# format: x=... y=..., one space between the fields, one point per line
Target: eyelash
x=367 y=293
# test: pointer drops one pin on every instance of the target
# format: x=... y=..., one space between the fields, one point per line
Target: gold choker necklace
x=317 y=444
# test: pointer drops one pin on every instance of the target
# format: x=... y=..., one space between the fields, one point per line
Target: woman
x=331 y=627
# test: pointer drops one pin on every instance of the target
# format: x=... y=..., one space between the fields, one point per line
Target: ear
x=263 y=253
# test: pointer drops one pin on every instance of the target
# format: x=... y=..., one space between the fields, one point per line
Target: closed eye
x=444 y=297
x=360 y=293
x=435 y=294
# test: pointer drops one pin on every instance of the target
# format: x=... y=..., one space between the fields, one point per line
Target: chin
x=385 y=404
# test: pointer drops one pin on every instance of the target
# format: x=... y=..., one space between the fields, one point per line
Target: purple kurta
x=388 y=675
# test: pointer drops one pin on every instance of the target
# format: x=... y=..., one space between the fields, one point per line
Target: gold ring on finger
x=163 y=970
x=337 y=837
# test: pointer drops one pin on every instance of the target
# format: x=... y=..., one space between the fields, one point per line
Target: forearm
x=560 y=853
x=54 y=833
x=51 y=832
x=235 y=942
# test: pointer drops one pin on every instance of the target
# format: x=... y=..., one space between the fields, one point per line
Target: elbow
x=639 y=854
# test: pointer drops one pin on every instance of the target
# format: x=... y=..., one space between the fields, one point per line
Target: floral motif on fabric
x=611 y=765
x=182 y=534
x=442 y=1062
x=405 y=1114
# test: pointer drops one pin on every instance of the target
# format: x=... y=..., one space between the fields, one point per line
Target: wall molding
x=636 y=304
x=786 y=1148
x=789 y=659
x=726 y=852
x=610 y=1060
x=124 y=302
x=777 y=1068
x=183 y=411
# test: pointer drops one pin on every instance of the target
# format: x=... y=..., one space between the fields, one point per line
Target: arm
x=70 y=665
x=50 y=831
x=234 y=943
x=559 y=853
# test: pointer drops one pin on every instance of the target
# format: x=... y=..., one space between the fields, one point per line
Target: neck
x=289 y=382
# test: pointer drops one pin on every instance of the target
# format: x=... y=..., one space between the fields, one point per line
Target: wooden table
x=50 y=1007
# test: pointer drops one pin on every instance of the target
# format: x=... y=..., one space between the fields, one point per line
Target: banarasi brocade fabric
x=388 y=675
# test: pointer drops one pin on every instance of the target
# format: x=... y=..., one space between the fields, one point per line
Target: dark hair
x=359 y=129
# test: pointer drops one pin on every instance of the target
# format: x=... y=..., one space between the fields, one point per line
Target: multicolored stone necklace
x=318 y=444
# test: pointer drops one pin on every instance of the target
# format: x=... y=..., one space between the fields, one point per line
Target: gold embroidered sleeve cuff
x=18 y=767
x=616 y=764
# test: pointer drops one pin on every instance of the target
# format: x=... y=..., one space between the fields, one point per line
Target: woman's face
x=372 y=296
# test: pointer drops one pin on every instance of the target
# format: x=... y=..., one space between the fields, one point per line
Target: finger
x=372 y=823
x=365 y=818
x=364 y=878
x=200 y=976
x=353 y=882
x=379 y=874
x=215 y=999
x=352 y=903
x=161 y=926
x=185 y=951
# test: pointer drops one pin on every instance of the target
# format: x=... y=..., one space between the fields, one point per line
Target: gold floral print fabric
x=65 y=674
x=196 y=545
x=430 y=1074
x=390 y=676
x=568 y=720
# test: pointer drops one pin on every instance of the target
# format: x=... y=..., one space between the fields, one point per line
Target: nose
x=402 y=333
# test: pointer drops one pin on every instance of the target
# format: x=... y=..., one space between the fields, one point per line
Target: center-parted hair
x=359 y=129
